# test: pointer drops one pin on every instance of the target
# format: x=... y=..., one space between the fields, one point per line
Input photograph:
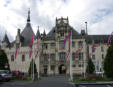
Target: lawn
x=94 y=80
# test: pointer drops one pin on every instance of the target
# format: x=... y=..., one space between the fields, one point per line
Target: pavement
x=57 y=81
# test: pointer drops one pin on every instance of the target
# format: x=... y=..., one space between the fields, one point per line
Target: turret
x=5 y=42
x=38 y=34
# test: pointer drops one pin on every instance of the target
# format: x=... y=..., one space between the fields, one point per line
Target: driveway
x=57 y=81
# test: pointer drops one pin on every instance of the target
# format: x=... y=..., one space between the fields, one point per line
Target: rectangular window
x=80 y=56
x=52 y=67
x=74 y=65
x=102 y=56
x=79 y=65
x=62 y=34
x=102 y=49
x=45 y=46
x=46 y=57
x=62 y=56
x=61 y=44
x=80 y=44
x=52 y=57
x=73 y=44
x=52 y=45
x=73 y=56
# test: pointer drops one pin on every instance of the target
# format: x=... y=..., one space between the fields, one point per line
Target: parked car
x=17 y=74
x=99 y=73
x=5 y=75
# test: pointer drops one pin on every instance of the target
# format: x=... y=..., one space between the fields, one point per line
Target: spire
x=28 y=18
x=5 y=39
x=38 y=33
x=44 y=33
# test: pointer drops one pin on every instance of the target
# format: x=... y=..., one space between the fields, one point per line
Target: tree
x=4 y=65
x=90 y=67
x=31 y=67
x=108 y=62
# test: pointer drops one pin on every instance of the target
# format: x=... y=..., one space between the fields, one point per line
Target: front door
x=62 y=69
x=45 y=70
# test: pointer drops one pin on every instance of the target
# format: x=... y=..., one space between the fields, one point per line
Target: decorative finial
x=38 y=28
x=28 y=19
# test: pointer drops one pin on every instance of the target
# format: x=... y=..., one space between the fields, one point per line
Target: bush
x=108 y=62
x=90 y=67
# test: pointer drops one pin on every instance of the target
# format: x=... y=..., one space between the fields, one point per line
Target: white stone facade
x=51 y=47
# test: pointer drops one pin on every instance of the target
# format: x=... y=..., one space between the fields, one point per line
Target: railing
x=94 y=84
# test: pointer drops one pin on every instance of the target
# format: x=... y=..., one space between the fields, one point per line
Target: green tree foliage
x=3 y=61
x=108 y=62
x=31 y=67
x=90 y=67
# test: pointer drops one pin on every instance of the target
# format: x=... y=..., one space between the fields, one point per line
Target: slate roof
x=26 y=35
x=97 y=38
x=5 y=39
x=51 y=34
x=38 y=34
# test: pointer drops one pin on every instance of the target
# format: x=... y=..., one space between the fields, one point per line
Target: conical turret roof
x=38 y=34
x=27 y=33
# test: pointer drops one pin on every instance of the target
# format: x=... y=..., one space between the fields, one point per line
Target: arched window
x=12 y=57
x=23 y=58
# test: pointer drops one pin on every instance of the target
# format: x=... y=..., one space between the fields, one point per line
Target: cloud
x=98 y=14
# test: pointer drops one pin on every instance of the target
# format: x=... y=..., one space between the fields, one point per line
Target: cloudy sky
x=98 y=14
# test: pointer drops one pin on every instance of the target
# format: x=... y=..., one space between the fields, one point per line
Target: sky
x=97 y=13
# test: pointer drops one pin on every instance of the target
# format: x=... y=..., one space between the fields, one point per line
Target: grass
x=78 y=80
x=23 y=79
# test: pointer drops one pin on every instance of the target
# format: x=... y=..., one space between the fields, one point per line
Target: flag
x=16 y=52
x=30 y=53
x=68 y=54
x=30 y=46
x=38 y=47
x=94 y=49
x=77 y=52
x=69 y=34
x=109 y=38
x=31 y=43
x=23 y=56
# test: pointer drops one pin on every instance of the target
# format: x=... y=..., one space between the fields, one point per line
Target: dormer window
x=17 y=45
x=62 y=34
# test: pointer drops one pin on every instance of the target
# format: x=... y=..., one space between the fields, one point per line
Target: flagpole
x=33 y=70
x=38 y=68
x=33 y=63
x=71 y=75
x=38 y=61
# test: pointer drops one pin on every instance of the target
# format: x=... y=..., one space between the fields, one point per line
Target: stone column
x=56 y=69
x=49 y=66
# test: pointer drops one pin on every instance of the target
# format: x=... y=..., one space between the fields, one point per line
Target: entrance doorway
x=45 y=70
x=62 y=69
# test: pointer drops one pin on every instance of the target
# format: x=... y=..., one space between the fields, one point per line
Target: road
x=58 y=81
x=95 y=86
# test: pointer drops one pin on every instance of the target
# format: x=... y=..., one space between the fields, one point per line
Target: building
x=54 y=60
